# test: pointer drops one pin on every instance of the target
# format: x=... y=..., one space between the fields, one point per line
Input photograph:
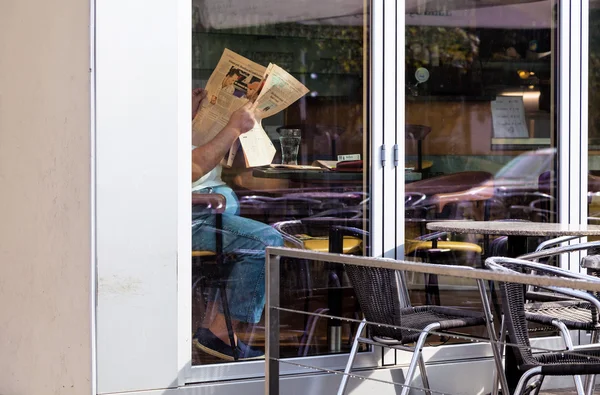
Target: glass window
x=594 y=116
x=322 y=45
x=481 y=130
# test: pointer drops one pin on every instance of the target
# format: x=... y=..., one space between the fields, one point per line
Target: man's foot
x=249 y=352
x=208 y=342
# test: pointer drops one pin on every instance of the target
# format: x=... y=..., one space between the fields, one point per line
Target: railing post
x=272 y=325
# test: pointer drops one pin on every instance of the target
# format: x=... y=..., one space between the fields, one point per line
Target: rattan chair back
x=377 y=293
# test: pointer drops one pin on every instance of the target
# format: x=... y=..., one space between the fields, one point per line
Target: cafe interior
x=481 y=137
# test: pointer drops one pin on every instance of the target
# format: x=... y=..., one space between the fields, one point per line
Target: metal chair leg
x=525 y=379
x=590 y=381
x=416 y=356
x=351 y=358
x=499 y=376
x=541 y=381
x=423 y=371
x=566 y=336
x=500 y=348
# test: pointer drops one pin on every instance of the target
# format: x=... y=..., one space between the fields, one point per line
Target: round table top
x=515 y=228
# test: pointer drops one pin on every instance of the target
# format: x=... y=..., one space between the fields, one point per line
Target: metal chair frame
x=457 y=318
x=515 y=324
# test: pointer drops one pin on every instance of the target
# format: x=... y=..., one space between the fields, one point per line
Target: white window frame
x=573 y=132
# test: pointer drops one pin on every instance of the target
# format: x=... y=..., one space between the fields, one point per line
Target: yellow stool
x=321 y=244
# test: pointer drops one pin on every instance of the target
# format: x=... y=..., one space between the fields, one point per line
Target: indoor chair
x=324 y=234
x=313 y=233
x=270 y=210
x=435 y=248
x=446 y=193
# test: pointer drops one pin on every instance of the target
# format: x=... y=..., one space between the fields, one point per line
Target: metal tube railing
x=273 y=255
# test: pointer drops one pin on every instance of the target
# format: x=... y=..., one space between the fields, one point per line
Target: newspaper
x=234 y=82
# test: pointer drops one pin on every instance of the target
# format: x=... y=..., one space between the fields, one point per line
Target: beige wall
x=45 y=333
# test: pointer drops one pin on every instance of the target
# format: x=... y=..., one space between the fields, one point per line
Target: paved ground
x=566 y=391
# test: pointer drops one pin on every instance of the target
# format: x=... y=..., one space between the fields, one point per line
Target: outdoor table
x=517 y=232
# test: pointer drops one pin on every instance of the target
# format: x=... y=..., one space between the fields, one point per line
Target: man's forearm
x=207 y=157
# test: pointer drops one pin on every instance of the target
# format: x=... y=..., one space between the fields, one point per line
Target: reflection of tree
x=331 y=49
x=432 y=45
x=346 y=51
x=594 y=75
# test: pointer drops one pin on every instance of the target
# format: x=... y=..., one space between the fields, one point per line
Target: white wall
x=45 y=334
x=143 y=84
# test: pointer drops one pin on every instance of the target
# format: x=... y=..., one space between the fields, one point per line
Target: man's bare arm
x=207 y=157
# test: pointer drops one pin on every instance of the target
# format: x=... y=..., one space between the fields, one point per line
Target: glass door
x=481 y=124
x=482 y=134
x=320 y=199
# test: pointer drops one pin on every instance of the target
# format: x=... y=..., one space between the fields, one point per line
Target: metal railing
x=273 y=307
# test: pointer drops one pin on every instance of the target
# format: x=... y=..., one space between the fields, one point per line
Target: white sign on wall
x=508 y=117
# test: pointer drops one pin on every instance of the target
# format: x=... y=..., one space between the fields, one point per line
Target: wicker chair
x=379 y=293
x=556 y=310
x=560 y=363
x=549 y=309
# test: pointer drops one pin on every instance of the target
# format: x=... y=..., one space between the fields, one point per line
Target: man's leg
x=244 y=243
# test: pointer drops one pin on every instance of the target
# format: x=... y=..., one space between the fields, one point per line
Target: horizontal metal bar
x=454 y=335
x=431 y=268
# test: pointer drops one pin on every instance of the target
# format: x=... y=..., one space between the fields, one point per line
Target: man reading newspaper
x=235 y=82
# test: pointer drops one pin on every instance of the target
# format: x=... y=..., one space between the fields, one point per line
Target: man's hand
x=242 y=120
x=198 y=95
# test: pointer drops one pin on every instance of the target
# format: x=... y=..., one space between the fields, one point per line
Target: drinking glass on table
x=290 y=143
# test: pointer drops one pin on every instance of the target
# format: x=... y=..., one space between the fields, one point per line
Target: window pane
x=322 y=44
x=594 y=117
x=481 y=130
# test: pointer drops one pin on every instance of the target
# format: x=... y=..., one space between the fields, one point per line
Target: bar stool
x=418 y=133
